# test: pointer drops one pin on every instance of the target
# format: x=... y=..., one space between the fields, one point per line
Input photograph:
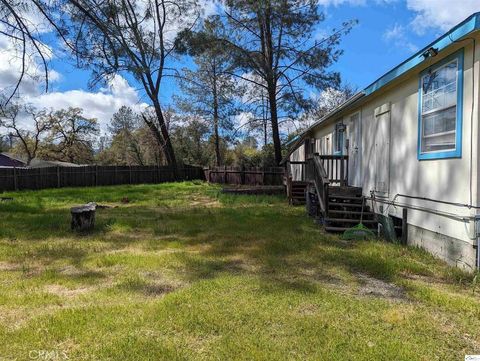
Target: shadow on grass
x=256 y=235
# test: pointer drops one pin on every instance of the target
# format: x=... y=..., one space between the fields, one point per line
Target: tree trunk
x=218 y=160
x=271 y=77
x=277 y=146
x=162 y=137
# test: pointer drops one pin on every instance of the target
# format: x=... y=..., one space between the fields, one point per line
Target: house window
x=338 y=138
x=440 y=109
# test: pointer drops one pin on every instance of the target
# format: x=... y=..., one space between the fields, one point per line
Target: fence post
x=96 y=175
x=263 y=176
x=130 y=174
x=242 y=174
x=58 y=176
x=15 y=182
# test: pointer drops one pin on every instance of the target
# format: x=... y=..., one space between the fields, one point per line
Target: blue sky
x=369 y=50
x=388 y=32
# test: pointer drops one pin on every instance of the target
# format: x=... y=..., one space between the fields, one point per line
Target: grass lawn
x=184 y=272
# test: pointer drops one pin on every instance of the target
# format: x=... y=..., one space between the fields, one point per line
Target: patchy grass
x=185 y=272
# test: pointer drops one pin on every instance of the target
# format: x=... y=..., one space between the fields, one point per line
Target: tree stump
x=83 y=217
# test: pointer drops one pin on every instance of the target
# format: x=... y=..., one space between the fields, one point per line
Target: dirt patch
x=158 y=289
x=63 y=291
x=307 y=309
x=424 y=279
x=370 y=286
x=13 y=319
x=158 y=284
x=5 y=266
x=204 y=201
x=240 y=265
x=71 y=271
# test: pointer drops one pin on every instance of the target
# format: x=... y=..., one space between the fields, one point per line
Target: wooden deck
x=322 y=183
x=259 y=189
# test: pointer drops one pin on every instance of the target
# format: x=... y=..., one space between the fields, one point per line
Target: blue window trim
x=457 y=152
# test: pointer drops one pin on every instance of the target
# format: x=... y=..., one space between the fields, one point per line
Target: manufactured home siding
x=297 y=170
x=442 y=179
x=393 y=110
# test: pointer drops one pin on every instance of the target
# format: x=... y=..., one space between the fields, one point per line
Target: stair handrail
x=288 y=180
x=318 y=176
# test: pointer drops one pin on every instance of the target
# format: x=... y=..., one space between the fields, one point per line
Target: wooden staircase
x=329 y=198
x=344 y=209
x=297 y=192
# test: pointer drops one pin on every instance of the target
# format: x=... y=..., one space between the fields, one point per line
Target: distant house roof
x=39 y=163
x=9 y=160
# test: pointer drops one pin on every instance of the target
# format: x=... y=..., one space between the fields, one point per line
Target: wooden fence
x=251 y=176
x=90 y=176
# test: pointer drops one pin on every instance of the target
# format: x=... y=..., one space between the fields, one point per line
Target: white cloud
x=210 y=7
x=327 y=3
x=440 y=14
x=11 y=64
x=100 y=105
x=397 y=35
x=342 y=2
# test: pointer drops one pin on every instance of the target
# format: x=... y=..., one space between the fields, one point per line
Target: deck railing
x=317 y=175
x=335 y=166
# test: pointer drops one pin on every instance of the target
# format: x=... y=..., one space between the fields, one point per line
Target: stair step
x=297 y=202
x=349 y=220
x=353 y=213
x=336 y=229
x=345 y=191
x=349 y=205
x=349 y=198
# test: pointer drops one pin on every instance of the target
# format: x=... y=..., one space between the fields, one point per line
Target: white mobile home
x=410 y=143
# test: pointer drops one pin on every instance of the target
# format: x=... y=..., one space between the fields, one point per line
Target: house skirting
x=454 y=251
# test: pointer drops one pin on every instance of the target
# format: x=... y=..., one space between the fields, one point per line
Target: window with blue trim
x=440 y=109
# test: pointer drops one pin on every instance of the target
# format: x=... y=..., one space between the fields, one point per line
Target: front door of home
x=354 y=154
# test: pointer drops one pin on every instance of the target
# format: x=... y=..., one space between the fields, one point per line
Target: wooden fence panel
x=90 y=176
x=251 y=176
